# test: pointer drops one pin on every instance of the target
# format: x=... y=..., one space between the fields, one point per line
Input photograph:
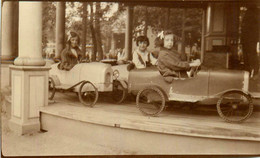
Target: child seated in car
x=141 y=57
x=71 y=55
x=171 y=62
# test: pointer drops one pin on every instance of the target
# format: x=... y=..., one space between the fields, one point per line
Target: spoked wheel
x=119 y=92
x=52 y=88
x=88 y=94
x=235 y=106
x=150 y=101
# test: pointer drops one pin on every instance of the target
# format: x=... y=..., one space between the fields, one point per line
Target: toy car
x=226 y=88
x=87 y=80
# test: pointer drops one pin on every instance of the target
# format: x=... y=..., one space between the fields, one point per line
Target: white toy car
x=87 y=80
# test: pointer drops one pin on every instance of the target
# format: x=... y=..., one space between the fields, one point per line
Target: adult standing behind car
x=141 y=57
x=249 y=39
x=121 y=56
x=71 y=55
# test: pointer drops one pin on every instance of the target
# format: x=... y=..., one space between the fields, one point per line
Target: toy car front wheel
x=150 y=101
x=88 y=94
x=119 y=92
x=52 y=88
x=235 y=106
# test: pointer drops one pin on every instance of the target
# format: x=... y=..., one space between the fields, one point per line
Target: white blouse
x=140 y=59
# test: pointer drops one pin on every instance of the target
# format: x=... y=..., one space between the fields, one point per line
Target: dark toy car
x=228 y=89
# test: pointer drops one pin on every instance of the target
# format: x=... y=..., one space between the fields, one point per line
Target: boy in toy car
x=170 y=62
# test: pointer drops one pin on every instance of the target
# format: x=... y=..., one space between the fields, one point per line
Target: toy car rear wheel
x=150 y=101
x=235 y=106
x=88 y=94
x=119 y=92
x=52 y=88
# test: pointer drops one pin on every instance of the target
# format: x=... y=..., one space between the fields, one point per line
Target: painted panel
x=208 y=44
x=218 y=18
x=217 y=42
x=222 y=80
x=17 y=95
x=36 y=91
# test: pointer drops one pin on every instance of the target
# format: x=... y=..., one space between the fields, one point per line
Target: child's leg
x=190 y=73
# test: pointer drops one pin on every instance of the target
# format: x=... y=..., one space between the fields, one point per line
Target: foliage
x=48 y=21
x=112 y=18
x=158 y=19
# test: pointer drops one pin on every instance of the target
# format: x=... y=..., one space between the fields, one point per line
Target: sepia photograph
x=138 y=78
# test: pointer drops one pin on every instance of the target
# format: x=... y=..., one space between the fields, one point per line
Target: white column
x=9 y=39
x=29 y=76
x=8 y=49
x=30 y=34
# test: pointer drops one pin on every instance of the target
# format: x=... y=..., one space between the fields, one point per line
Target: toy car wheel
x=52 y=88
x=88 y=94
x=235 y=106
x=119 y=92
x=150 y=101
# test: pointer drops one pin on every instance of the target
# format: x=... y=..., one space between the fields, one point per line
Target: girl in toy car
x=71 y=55
x=171 y=62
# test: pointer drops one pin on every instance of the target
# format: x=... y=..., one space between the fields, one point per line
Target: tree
x=48 y=21
x=93 y=34
x=97 y=30
x=84 y=24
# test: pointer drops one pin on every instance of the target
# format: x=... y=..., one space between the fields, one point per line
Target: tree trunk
x=167 y=18
x=146 y=21
x=93 y=34
x=183 y=31
x=84 y=31
x=98 y=34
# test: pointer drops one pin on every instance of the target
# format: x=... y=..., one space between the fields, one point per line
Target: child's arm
x=173 y=62
x=138 y=62
x=81 y=56
x=153 y=60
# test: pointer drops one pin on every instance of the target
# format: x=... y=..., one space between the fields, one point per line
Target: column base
x=26 y=61
x=5 y=74
x=22 y=129
x=29 y=94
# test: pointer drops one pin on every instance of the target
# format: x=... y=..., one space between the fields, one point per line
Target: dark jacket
x=170 y=63
x=68 y=59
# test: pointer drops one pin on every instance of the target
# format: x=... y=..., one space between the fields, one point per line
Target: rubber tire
x=80 y=95
x=124 y=91
x=250 y=111
x=161 y=95
x=54 y=89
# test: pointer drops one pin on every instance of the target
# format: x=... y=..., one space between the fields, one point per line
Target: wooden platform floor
x=178 y=119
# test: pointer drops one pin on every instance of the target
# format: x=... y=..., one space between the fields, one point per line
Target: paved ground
x=48 y=143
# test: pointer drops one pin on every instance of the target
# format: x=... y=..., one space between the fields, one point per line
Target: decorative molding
x=17 y=92
x=26 y=61
x=30 y=68
x=36 y=94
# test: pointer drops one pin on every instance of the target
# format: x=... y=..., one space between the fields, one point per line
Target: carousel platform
x=178 y=130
